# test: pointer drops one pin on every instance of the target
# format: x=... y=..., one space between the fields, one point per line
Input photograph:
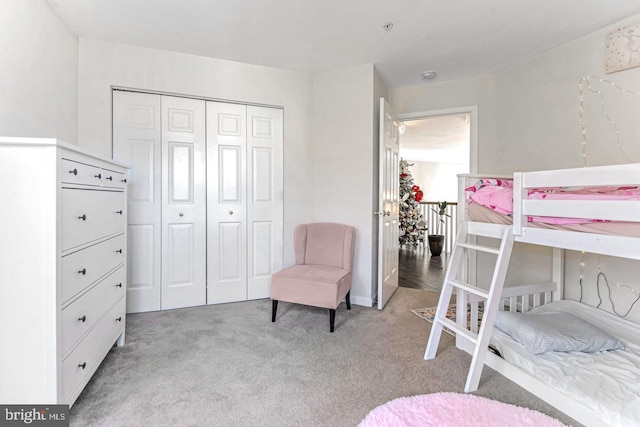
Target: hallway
x=419 y=270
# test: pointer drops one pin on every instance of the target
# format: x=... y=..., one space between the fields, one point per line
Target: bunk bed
x=607 y=226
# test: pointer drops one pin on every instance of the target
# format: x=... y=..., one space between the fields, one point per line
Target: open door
x=388 y=205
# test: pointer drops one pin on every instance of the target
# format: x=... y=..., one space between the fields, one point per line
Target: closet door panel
x=137 y=142
x=226 y=203
x=231 y=246
x=265 y=198
x=143 y=275
x=183 y=203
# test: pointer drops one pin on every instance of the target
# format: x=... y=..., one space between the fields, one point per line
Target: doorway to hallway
x=438 y=145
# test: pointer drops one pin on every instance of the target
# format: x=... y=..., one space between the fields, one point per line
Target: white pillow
x=555 y=331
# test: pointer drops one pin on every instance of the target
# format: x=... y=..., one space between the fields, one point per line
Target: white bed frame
x=524 y=298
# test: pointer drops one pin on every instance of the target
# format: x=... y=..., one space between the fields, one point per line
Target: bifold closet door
x=137 y=137
x=226 y=202
x=265 y=198
x=245 y=199
x=184 y=231
x=162 y=138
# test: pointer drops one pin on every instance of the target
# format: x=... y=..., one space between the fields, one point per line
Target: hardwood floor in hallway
x=417 y=269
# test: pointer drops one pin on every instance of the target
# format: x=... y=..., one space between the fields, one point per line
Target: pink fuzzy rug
x=454 y=410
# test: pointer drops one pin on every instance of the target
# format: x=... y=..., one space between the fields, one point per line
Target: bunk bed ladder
x=469 y=292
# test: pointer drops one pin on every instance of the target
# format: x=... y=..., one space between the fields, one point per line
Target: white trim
x=472 y=110
x=363 y=301
x=184 y=95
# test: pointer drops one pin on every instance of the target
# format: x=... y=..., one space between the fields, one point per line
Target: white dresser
x=63 y=267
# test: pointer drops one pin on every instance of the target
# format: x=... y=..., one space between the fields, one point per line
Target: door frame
x=472 y=110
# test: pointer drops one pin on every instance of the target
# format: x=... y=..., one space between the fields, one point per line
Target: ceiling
x=439 y=139
x=458 y=39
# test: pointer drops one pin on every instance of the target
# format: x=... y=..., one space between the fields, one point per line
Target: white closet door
x=183 y=202
x=226 y=203
x=137 y=142
x=264 y=198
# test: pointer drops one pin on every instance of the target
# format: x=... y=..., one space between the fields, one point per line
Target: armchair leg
x=274 y=308
x=332 y=319
x=348 y=300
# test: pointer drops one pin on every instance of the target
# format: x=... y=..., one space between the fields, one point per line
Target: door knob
x=377 y=213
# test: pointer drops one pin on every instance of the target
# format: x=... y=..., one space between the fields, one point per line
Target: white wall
x=343 y=155
x=437 y=180
x=104 y=64
x=39 y=72
x=538 y=103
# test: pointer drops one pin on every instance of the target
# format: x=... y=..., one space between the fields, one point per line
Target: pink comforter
x=497 y=194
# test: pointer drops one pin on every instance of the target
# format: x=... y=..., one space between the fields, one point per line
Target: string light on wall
x=603 y=277
x=585 y=82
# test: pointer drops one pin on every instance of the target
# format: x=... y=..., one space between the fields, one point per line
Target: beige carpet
x=228 y=365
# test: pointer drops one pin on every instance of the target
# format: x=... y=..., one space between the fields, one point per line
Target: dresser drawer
x=89 y=215
x=79 y=173
x=113 y=179
x=84 y=267
x=82 y=362
x=80 y=316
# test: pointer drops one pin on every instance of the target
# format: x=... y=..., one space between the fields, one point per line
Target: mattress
x=608 y=382
x=476 y=212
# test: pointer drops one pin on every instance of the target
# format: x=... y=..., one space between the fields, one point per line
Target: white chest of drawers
x=62 y=268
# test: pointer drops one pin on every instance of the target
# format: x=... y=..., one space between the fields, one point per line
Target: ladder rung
x=454 y=327
x=469 y=288
x=479 y=248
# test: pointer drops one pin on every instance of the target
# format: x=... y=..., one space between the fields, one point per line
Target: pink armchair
x=321 y=276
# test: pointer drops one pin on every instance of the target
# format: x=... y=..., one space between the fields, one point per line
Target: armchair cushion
x=317 y=285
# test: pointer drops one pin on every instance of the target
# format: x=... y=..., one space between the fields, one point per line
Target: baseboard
x=365 y=302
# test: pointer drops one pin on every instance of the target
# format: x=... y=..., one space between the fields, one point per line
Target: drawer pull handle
x=110 y=178
x=99 y=176
x=119 y=319
x=124 y=180
x=83 y=217
x=119 y=212
x=82 y=365
x=119 y=285
x=82 y=319
x=75 y=171
x=119 y=251
x=83 y=271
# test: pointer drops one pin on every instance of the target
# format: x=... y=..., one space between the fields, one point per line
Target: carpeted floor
x=228 y=365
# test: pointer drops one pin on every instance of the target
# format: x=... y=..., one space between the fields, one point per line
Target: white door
x=183 y=203
x=137 y=142
x=226 y=202
x=388 y=205
x=265 y=198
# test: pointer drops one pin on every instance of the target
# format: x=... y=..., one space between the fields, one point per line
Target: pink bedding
x=475 y=212
x=497 y=194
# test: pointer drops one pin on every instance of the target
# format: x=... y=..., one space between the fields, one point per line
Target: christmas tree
x=412 y=224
